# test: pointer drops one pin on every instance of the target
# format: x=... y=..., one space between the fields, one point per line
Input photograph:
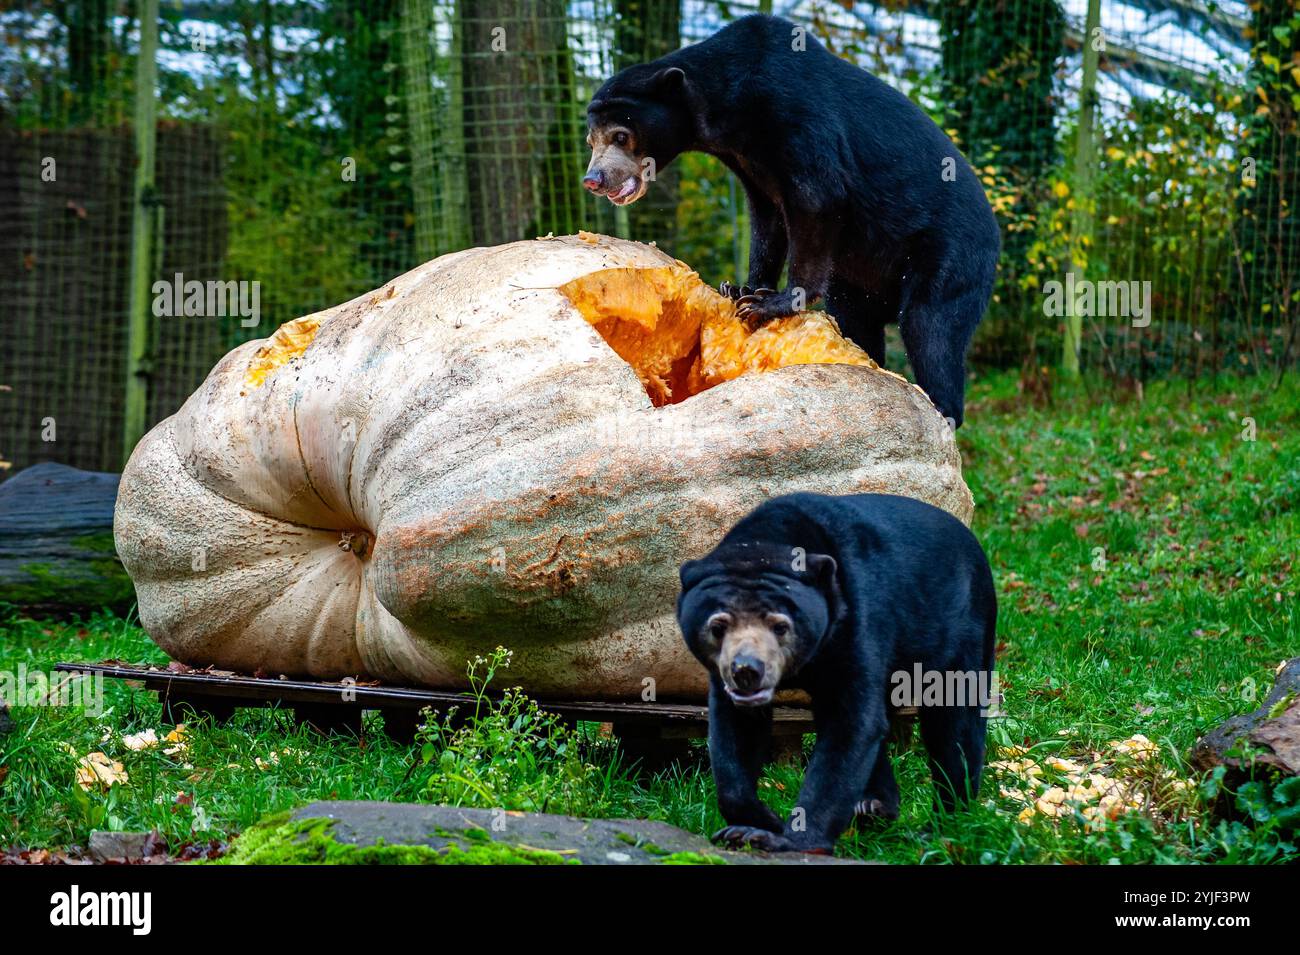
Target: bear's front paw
x=764 y=304
x=734 y=292
x=737 y=837
x=876 y=809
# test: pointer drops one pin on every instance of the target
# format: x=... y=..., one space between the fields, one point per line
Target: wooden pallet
x=652 y=733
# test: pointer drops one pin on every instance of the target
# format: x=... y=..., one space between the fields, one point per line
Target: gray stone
x=108 y=846
x=591 y=841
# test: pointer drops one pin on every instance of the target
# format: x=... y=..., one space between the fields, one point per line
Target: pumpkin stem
x=358 y=542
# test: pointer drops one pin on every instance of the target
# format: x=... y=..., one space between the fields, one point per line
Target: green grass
x=1163 y=631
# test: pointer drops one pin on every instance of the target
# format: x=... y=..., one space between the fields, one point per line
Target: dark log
x=56 y=541
x=1269 y=736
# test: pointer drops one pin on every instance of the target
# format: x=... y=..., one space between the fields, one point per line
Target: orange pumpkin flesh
x=682 y=337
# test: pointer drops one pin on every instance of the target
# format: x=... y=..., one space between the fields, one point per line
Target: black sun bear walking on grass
x=845 y=598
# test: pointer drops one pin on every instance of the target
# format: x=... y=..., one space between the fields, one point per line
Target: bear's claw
x=762 y=305
x=734 y=292
x=875 y=809
x=754 y=838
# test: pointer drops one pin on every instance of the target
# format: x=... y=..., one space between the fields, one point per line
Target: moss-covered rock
x=282 y=840
x=376 y=833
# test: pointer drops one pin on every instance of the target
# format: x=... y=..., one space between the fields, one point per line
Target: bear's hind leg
x=954 y=738
x=937 y=325
x=880 y=801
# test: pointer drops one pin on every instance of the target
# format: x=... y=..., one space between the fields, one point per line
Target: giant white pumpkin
x=460 y=460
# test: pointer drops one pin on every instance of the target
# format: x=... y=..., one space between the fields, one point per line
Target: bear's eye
x=718 y=629
x=621 y=138
x=780 y=629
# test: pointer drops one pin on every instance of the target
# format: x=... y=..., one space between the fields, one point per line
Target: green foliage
x=712 y=221
x=1188 y=610
x=506 y=752
x=316 y=177
x=1274 y=805
x=998 y=67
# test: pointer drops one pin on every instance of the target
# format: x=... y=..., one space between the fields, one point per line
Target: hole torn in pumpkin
x=287 y=342
x=682 y=337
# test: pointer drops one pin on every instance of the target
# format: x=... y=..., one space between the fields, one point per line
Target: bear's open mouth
x=633 y=188
x=682 y=337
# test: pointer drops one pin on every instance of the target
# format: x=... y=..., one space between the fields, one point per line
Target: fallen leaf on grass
x=95 y=770
x=136 y=742
x=177 y=738
x=1136 y=746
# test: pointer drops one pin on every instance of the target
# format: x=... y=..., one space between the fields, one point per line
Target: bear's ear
x=823 y=570
x=693 y=571
x=669 y=80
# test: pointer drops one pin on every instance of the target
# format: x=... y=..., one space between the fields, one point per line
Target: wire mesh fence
x=1141 y=157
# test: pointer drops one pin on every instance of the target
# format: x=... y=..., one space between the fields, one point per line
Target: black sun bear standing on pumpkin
x=874 y=208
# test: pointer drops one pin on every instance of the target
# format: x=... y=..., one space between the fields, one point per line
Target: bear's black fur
x=839 y=595
x=875 y=208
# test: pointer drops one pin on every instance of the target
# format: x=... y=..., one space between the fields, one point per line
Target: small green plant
x=1268 y=826
x=1272 y=806
x=505 y=752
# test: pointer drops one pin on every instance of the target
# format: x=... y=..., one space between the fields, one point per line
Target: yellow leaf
x=1061 y=189
x=97 y=770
